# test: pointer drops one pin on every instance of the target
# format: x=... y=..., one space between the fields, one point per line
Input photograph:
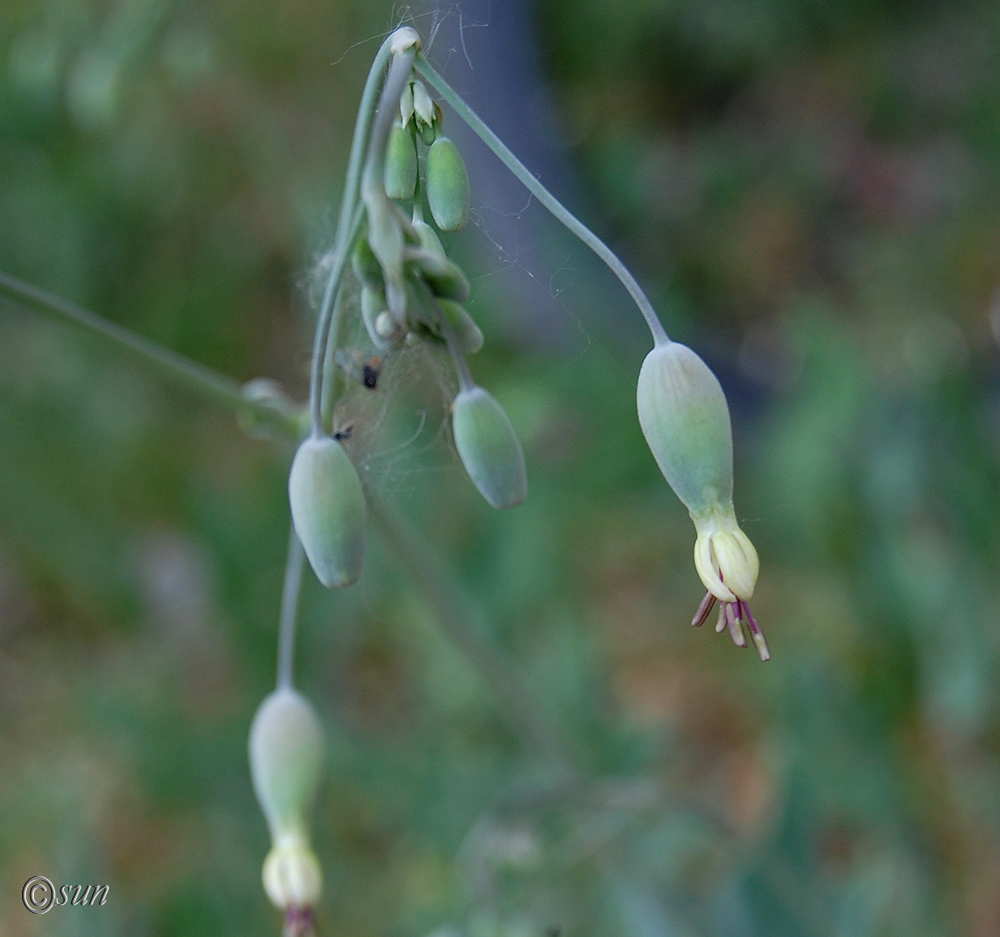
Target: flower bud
x=328 y=510
x=488 y=448
x=444 y=277
x=468 y=336
x=286 y=756
x=428 y=114
x=400 y=163
x=684 y=417
x=447 y=185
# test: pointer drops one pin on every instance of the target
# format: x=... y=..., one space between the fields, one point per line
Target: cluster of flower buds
x=410 y=291
x=685 y=419
x=286 y=757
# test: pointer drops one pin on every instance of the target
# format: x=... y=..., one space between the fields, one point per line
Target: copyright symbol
x=38 y=894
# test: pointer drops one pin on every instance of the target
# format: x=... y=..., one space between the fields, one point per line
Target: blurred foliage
x=811 y=192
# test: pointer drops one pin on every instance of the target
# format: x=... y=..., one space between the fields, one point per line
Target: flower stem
x=563 y=214
x=289 y=610
x=175 y=368
x=347 y=225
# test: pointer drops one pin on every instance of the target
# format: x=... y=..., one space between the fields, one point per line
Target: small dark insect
x=359 y=367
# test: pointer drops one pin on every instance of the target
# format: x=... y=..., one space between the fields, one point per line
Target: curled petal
x=737 y=561
x=708 y=568
x=292 y=876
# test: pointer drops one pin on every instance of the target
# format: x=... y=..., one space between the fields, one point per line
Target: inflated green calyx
x=685 y=419
x=286 y=757
x=400 y=163
x=447 y=185
x=489 y=449
x=328 y=510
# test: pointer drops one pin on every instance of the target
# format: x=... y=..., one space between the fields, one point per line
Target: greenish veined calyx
x=447 y=185
x=489 y=448
x=685 y=419
x=286 y=758
x=442 y=275
x=328 y=510
x=400 y=163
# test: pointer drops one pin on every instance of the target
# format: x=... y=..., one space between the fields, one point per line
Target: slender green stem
x=175 y=368
x=521 y=711
x=424 y=69
x=289 y=610
x=346 y=225
x=331 y=325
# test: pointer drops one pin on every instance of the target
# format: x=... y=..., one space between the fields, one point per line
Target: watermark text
x=39 y=895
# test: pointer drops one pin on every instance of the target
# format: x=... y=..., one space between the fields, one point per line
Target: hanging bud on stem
x=286 y=757
x=447 y=185
x=488 y=448
x=328 y=510
x=685 y=419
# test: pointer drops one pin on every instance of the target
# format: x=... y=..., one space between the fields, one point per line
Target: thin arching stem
x=289 y=610
x=347 y=224
x=563 y=214
x=169 y=365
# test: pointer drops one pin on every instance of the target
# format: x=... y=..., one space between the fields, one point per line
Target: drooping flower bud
x=468 y=336
x=443 y=276
x=447 y=185
x=328 y=510
x=286 y=757
x=400 y=163
x=685 y=419
x=489 y=449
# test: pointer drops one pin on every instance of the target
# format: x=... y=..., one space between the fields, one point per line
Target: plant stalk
x=563 y=214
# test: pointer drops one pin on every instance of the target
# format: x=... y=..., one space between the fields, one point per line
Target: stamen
x=735 y=629
x=704 y=610
x=758 y=636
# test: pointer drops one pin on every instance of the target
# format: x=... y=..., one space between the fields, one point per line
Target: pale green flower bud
x=443 y=276
x=400 y=163
x=685 y=419
x=468 y=336
x=488 y=448
x=328 y=510
x=286 y=757
x=447 y=185
x=423 y=103
x=428 y=114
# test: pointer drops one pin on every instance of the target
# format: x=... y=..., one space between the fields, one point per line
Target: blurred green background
x=811 y=193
